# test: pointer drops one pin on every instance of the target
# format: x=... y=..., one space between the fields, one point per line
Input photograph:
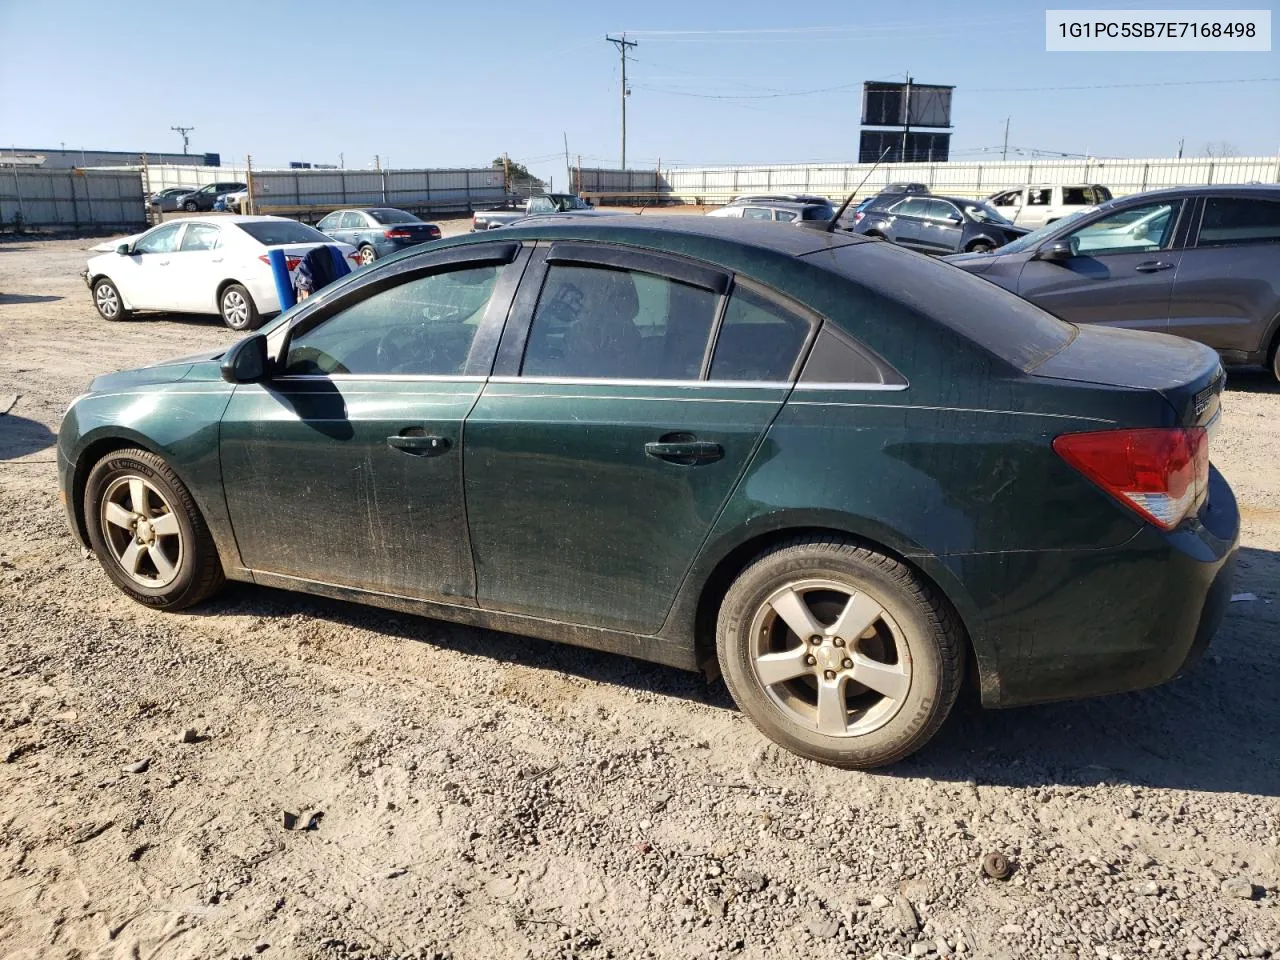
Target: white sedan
x=202 y=265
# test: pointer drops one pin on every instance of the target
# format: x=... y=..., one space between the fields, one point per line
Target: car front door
x=1122 y=273
x=1226 y=293
x=606 y=443
x=329 y=226
x=345 y=467
x=942 y=228
x=1008 y=204
x=144 y=276
x=350 y=225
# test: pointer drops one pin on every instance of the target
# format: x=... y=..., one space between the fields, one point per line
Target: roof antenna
x=829 y=226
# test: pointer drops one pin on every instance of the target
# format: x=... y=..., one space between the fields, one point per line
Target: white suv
x=1034 y=206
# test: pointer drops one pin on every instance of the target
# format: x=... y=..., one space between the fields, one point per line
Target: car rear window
x=1013 y=329
x=271 y=233
x=393 y=216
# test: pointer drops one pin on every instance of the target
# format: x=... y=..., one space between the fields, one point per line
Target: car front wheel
x=106 y=297
x=190 y=206
x=981 y=246
x=839 y=653
x=148 y=533
x=238 y=309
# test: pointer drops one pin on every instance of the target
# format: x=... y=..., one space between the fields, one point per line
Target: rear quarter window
x=1005 y=325
x=272 y=232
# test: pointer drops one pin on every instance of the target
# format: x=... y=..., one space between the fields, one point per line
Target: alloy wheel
x=107 y=300
x=830 y=657
x=141 y=531
x=367 y=256
x=235 y=309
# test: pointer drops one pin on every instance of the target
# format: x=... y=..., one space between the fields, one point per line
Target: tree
x=519 y=179
x=1221 y=149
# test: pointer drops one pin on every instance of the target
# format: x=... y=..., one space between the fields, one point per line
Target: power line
x=754 y=96
x=1119 y=86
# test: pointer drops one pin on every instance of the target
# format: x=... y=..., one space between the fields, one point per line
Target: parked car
x=168 y=199
x=934 y=224
x=201 y=265
x=231 y=202
x=843 y=471
x=377 y=231
x=1037 y=205
x=783 y=211
x=786 y=197
x=533 y=207
x=1199 y=262
x=900 y=187
x=204 y=198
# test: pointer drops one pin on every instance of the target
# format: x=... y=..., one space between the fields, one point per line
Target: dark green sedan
x=846 y=474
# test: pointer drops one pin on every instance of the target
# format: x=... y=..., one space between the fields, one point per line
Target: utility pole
x=568 y=171
x=1181 y=141
x=182 y=132
x=906 y=119
x=622 y=44
x=506 y=173
x=1004 y=154
x=341 y=163
x=377 y=162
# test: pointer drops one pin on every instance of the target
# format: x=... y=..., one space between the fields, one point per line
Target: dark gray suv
x=1199 y=262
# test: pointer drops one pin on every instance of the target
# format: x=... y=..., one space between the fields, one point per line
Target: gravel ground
x=280 y=776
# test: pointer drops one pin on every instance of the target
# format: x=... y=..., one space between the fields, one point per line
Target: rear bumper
x=386 y=247
x=1069 y=624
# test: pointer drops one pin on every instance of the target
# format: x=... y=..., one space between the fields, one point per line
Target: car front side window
x=329 y=223
x=163 y=240
x=602 y=323
x=1132 y=230
x=422 y=327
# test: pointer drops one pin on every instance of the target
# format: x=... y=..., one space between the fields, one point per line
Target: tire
x=190 y=206
x=237 y=308
x=367 y=255
x=981 y=246
x=106 y=297
x=1275 y=358
x=170 y=562
x=912 y=647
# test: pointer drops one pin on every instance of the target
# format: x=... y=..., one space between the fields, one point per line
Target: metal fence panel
x=72 y=199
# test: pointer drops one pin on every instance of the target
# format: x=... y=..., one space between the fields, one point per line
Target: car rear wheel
x=107 y=299
x=238 y=309
x=839 y=653
x=367 y=255
x=147 y=532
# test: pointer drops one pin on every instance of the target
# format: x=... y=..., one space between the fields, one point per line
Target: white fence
x=71 y=199
x=836 y=180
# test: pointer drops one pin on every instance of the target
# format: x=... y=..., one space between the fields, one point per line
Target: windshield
x=271 y=233
x=391 y=215
x=1036 y=237
x=985 y=214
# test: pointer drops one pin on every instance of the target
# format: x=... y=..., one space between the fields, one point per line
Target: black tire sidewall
x=909 y=728
x=255 y=319
x=127 y=463
x=373 y=254
x=190 y=207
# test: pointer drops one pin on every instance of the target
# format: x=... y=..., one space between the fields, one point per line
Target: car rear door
x=942 y=227
x=345 y=467
x=1123 y=272
x=906 y=220
x=195 y=268
x=1226 y=293
x=607 y=441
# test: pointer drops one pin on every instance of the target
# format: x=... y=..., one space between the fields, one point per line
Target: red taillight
x=857 y=217
x=290 y=263
x=1162 y=473
x=397 y=234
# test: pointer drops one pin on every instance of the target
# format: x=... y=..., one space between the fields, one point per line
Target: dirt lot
x=478 y=795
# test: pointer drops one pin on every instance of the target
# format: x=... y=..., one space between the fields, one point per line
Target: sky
x=438 y=84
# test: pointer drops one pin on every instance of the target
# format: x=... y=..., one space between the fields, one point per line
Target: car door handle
x=216 y=260
x=688 y=453
x=1153 y=266
x=162 y=263
x=419 y=446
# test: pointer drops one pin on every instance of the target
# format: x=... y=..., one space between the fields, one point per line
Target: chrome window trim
x=390 y=377
x=719 y=384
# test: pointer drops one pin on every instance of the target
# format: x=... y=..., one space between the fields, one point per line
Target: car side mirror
x=1056 y=251
x=124 y=249
x=247 y=361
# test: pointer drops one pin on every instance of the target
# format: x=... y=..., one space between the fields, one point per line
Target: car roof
x=693 y=235
x=1261 y=189
x=228 y=218
x=781 y=204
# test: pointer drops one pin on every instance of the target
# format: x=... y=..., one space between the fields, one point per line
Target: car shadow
x=1212 y=730
x=203 y=319
x=1252 y=380
x=20 y=437
x=16 y=298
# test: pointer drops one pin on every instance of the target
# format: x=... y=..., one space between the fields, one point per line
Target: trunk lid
x=1188 y=375
x=415 y=232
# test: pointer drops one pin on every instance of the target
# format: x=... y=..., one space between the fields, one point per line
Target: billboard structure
x=903 y=106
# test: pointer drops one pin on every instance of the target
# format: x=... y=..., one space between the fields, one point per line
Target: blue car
x=377 y=231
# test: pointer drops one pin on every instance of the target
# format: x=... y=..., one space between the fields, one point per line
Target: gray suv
x=1199 y=262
